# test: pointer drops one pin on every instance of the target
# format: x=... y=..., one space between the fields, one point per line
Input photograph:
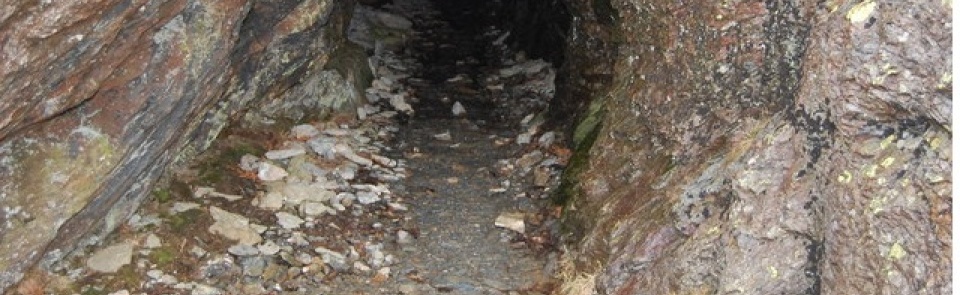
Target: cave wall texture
x=101 y=96
x=763 y=147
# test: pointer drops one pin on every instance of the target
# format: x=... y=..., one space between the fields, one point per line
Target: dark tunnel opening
x=538 y=28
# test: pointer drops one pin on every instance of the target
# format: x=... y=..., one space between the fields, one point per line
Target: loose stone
x=270 y=172
x=233 y=226
x=243 y=250
x=284 y=153
x=511 y=221
x=111 y=259
x=288 y=221
x=458 y=109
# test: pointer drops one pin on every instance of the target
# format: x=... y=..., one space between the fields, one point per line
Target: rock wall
x=100 y=97
x=772 y=147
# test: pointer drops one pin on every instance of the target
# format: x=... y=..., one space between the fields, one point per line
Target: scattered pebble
x=443 y=136
x=458 y=109
x=404 y=237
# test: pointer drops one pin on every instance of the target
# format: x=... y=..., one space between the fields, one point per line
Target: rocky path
x=458 y=147
x=438 y=187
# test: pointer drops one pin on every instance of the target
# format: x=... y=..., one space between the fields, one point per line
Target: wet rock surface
x=371 y=203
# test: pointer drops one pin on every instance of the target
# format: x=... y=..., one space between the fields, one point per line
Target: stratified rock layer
x=774 y=147
x=99 y=97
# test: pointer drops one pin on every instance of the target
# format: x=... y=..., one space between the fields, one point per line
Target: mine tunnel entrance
x=440 y=183
x=423 y=146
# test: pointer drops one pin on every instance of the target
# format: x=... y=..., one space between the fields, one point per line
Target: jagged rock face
x=99 y=97
x=773 y=147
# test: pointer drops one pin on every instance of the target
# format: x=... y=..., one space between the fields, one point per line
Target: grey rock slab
x=201 y=289
x=304 y=131
x=298 y=193
x=391 y=20
x=397 y=206
x=272 y=200
x=155 y=274
x=268 y=248
x=512 y=221
x=413 y=289
x=180 y=207
x=249 y=162
x=323 y=146
x=367 y=198
x=384 y=271
x=347 y=172
x=209 y=192
x=138 y=221
x=348 y=153
x=384 y=161
x=530 y=159
x=233 y=226
x=243 y=250
x=253 y=266
x=443 y=136
x=152 y=241
x=334 y=259
x=220 y=266
x=161 y=278
x=404 y=237
x=285 y=153
x=458 y=109
x=361 y=267
x=112 y=258
x=316 y=209
x=337 y=132
x=524 y=138
x=197 y=251
x=288 y=221
x=270 y=172
x=378 y=189
x=547 y=139
x=399 y=103
x=541 y=176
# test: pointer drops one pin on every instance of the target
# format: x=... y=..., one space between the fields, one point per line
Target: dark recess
x=538 y=28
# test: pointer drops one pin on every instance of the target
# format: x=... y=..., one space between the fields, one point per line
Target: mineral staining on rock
x=151 y=84
x=748 y=169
